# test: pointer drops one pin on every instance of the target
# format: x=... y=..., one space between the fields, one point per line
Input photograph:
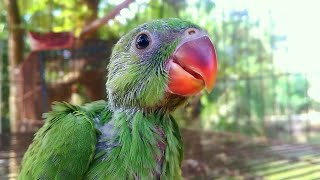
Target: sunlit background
x=268 y=84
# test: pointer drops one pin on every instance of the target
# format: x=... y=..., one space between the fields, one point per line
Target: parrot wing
x=64 y=147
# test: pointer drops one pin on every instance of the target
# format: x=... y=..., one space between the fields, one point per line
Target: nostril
x=191 y=31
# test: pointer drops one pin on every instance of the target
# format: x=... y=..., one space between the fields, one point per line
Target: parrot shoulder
x=64 y=147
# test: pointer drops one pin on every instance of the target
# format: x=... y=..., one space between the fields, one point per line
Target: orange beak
x=192 y=67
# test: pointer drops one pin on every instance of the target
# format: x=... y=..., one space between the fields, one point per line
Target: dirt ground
x=208 y=155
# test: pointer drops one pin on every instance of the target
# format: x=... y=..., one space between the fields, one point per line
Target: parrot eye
x=142 y=41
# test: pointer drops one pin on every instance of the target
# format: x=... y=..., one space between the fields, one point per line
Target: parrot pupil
x=142 y=41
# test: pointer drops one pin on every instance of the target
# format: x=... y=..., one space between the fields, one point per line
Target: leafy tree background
x=249 y=90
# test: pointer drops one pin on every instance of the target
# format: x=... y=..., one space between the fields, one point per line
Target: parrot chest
x=107 y=140
x=111 y=144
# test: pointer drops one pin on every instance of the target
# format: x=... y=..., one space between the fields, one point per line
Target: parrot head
x=159 y=64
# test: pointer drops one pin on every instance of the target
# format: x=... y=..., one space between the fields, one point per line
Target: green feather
x=64 y=147
x=138 y=147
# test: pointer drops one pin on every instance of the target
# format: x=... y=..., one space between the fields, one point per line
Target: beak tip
x=209 y=89
x=210 y=80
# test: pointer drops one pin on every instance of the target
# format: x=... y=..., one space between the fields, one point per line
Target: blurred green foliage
x=249 y=89
x=3 y=22
x=53 y=15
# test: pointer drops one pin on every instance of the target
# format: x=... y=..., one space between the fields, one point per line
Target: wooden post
x=1 y=79
x=15 y=57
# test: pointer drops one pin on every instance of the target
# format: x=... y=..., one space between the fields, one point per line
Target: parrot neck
x=163 y=108
x=142 y=143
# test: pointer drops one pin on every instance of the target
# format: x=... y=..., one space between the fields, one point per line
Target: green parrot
x=153 y=69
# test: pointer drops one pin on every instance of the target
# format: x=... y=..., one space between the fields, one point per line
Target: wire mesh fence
x=277 y=105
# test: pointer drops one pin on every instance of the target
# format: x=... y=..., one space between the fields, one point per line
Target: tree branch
x=96 y=24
